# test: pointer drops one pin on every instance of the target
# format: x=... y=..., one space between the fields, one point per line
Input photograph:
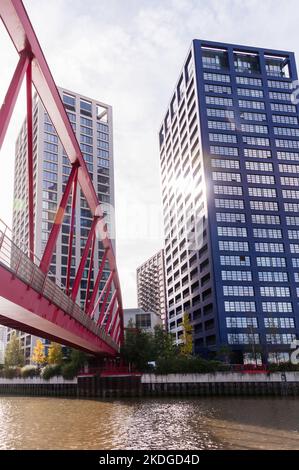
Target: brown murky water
x=202 y=423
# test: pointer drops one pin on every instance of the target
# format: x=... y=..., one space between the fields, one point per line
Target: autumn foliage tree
x=187 y=346
x=38 y=355
x=54 y=354
x=14 y=355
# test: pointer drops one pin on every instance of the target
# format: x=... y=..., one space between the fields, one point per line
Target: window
x=243 y=338
x=251 y=104
x=290 y=194
x=289 y=181
x=263 y=206
x=220 y=89
x=229 y=151
x=221 y=113
x=266 y=261
x=265 y=219
x=232 y=231
x=277 y=66
x=228 y=190
x=284 y=108
x=269 y=247
x=253 y=116
x=280 y=338
x=241 y=322
x=236 y=276
x=238 y=291
x=248 y=81
x=294 y=248
x=257 y=153
x=276 y=95
x=288 y=169
x=277 y=307
x=256 y=129
x=229 y=203
x=278 y=84
x=214 y=59
x=239 y=306
x=228 y=164
x=245 y=62
x=270 y=291
x=215 y=100
x=291 y=207
x=216 y=77
x=282 y=119
x=250 y=92
x=292 y=220
x=225 y=245
x=260 y=179
x=278 y=357
x=235 y=260
x=222 y=125
x=69 y=101
x=85 y=107
x=230 y=217
x=225 y=138
x=218 y=176
x=288 y=131
x=262 y=192
x=267 y=233
x=273 y=276
x=256 y=141
x=260 y=166
x=279 y=322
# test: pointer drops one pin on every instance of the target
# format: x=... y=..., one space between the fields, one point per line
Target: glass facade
x=230 y=186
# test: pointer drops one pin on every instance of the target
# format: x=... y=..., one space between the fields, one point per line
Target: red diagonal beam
x=90 y=272
x=79 y=274
x=71 y=235
x=110 y=311
x=96 y=285
x=104 y=303
x=30 y=159
x=49 y=249
x=105 y=289
x=116 y=316
x=12 y=94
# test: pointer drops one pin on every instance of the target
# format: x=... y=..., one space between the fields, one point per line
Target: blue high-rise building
x=229 y=152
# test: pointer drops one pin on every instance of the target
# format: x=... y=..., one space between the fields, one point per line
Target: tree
x=14 y=355
x=55 y=354
x=187 y=346
x=38 y=356
x=164 y=345
x=138 y=348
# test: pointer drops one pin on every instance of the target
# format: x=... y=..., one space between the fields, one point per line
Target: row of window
x=268 y=307
x=269 y=322
x=248 y=291
x=225 y=78
x=253 y=338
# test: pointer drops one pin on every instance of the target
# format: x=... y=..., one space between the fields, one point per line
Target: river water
x=161 y=423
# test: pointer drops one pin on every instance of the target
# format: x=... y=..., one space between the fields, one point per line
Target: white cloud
x=128 y=53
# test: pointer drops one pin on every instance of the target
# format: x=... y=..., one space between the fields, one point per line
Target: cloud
x=129 y=54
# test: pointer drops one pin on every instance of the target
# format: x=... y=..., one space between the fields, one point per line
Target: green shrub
x=188 y=365
x=69 y=371
x=283 y=367
x=12 y=372
x=29 y=371
x=50 y=371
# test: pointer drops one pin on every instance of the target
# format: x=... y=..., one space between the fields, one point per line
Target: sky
x=128 y=53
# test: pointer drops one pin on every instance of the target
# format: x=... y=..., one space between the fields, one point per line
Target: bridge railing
x=22 y=267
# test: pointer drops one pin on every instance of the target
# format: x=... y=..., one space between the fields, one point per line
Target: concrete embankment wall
x=151 y=385
x=35 y=386
x=221 y=384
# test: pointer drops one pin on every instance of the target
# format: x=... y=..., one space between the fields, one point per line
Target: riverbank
x=151 y=385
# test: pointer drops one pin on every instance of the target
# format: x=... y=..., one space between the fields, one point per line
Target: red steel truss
x=32 y=63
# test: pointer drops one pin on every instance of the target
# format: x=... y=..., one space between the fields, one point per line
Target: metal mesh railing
x=25 y=269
